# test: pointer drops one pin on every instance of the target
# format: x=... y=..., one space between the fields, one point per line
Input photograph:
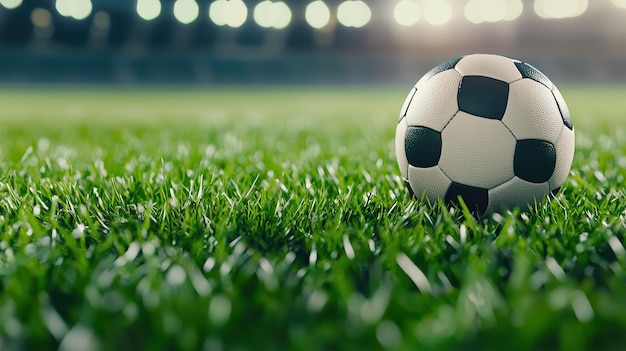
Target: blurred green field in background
x=276 y=219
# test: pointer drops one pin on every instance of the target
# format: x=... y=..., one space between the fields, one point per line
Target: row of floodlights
x=350 y=13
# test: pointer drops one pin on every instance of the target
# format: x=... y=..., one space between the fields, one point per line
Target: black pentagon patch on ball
x=442 y=67
x=534 y=160
x=528 y=71
x=476 y=199
x=483 y=96
x=423 y=146
x=567 y=118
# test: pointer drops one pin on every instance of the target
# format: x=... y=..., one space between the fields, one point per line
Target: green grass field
x=267 y=219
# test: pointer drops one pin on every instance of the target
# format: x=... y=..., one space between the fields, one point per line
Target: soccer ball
x=492 y=130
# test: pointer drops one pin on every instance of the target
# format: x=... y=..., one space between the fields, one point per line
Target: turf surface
x=276 y=219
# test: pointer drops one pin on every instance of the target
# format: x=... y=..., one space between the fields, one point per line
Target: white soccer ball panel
x=532 y=111
x=564 y=156
x=406 y=103
x=493 y=66
x=516 y=192
x=403 y=163
x=477 y=151
x=420 y=83
x=565 y=113
x=430 y=181
x=435 y=102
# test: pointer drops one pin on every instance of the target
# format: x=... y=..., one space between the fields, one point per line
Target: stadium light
x=560 y=8
x=235 y=13
x=514 y=9
x=263 y=14
x=11 y=4
x=186 y=11
x=282 y=15
x=269 y=14
x=317 y=14
x=63 y=7
x=620 y=3
x=407 y=13
x=216 y=12
x=148 y=9
x=478 y=11
x=77 y=9
x=437 y=12
x=41 y=18
x=101 y=21
x=354 y=13
x=100 y=26
x=42 y=23
x=232 y=13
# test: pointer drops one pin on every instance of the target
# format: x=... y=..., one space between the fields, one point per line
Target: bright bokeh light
x=235 y=13
x=620 y=3
x=263 y=13
x=268 y=14
x=317 y=14
x=101 y=20
x=63 y=7
x=82 y=9
x=77 y=9
x=478 y=11
x=437 y=12
x=407 y=13
x=186 y=11
x=11 y=4
x=148 y=9
x=42 y=23
x=41 y=18
x=282 y=15
x=354 y=13
x=560 y=8
x=216 y=12
x=514 y=9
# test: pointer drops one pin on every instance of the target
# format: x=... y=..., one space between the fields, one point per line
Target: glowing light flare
x=514 y=9
x=235 y=13
x=148 y=9
x=232 y=13
x=82 y=9
x=42 y=23
x=282 y=15
x=560 y=8
x=620 y=3
x=101 y=20
x=11 y=4
x=263 y=13
x=317 y=14
x=407 y=13
x=63 y=7
x=478 y=11
x=77 y=9
x=437 y=12
x=354 y=13
x=268 y=14
x=186 y=11
x=41 y=18
x=216 y=12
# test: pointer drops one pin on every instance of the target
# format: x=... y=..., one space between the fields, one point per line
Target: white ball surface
x=474 y=160
x=491 y=130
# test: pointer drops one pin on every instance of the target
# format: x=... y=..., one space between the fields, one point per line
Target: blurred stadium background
x=217 y=42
